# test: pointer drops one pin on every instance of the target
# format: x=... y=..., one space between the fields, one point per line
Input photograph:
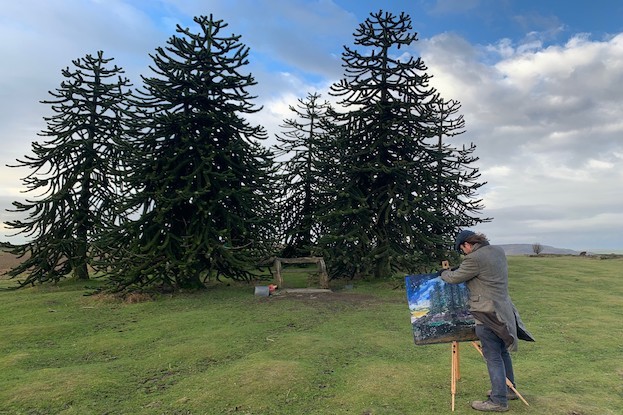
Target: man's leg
x=492 y=349
x=508 y=365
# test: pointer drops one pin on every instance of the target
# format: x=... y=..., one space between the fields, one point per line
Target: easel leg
x=508 y=382
x=454 y=371
x=456 y=358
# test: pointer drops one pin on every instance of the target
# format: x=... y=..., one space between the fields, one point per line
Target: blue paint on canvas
x=439 y=311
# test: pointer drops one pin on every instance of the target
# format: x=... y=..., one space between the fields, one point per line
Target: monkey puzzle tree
x=300 y=177
x=385 y=210
x=74 y=173
x=456 y=182
x=200 y=180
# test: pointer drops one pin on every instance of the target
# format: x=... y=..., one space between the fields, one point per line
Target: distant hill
x=526 y=249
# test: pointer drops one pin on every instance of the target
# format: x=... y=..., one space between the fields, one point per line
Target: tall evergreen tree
x=454 y=176
x=384 y=217
x=73 y=173
x=201 y=181
x=301 y=198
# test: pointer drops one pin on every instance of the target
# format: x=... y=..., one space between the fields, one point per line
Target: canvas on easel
x=439 y=311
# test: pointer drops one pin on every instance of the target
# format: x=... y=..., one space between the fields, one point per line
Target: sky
x=540 y=85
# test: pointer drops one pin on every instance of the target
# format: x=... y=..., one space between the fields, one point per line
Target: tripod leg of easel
x=508 y=382
x=457 y=358
x=454 y=371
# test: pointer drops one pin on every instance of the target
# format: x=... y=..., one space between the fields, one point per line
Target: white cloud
x=547 y=123
x=599 y=165
x=497 y=171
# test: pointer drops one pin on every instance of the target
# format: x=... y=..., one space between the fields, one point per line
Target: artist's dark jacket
x=485 y=273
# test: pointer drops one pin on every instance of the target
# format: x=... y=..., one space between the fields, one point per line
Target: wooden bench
x=319 y=261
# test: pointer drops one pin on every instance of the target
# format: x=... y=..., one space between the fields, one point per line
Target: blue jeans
x=499 y=363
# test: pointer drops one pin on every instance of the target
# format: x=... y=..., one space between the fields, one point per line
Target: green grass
x=226 y=351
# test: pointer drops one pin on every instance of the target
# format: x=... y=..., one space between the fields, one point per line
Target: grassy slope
x=227 y=351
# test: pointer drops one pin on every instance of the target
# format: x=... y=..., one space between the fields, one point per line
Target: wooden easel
x=456 y=373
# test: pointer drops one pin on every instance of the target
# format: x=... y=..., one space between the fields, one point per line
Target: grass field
x=227 y=351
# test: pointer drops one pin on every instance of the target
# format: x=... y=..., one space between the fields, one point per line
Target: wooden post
x=278 y=273
x=324 y=277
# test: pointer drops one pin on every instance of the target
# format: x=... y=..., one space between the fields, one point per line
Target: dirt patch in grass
x=313 y=297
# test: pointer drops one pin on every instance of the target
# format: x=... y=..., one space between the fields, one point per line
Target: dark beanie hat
x=461 y=238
